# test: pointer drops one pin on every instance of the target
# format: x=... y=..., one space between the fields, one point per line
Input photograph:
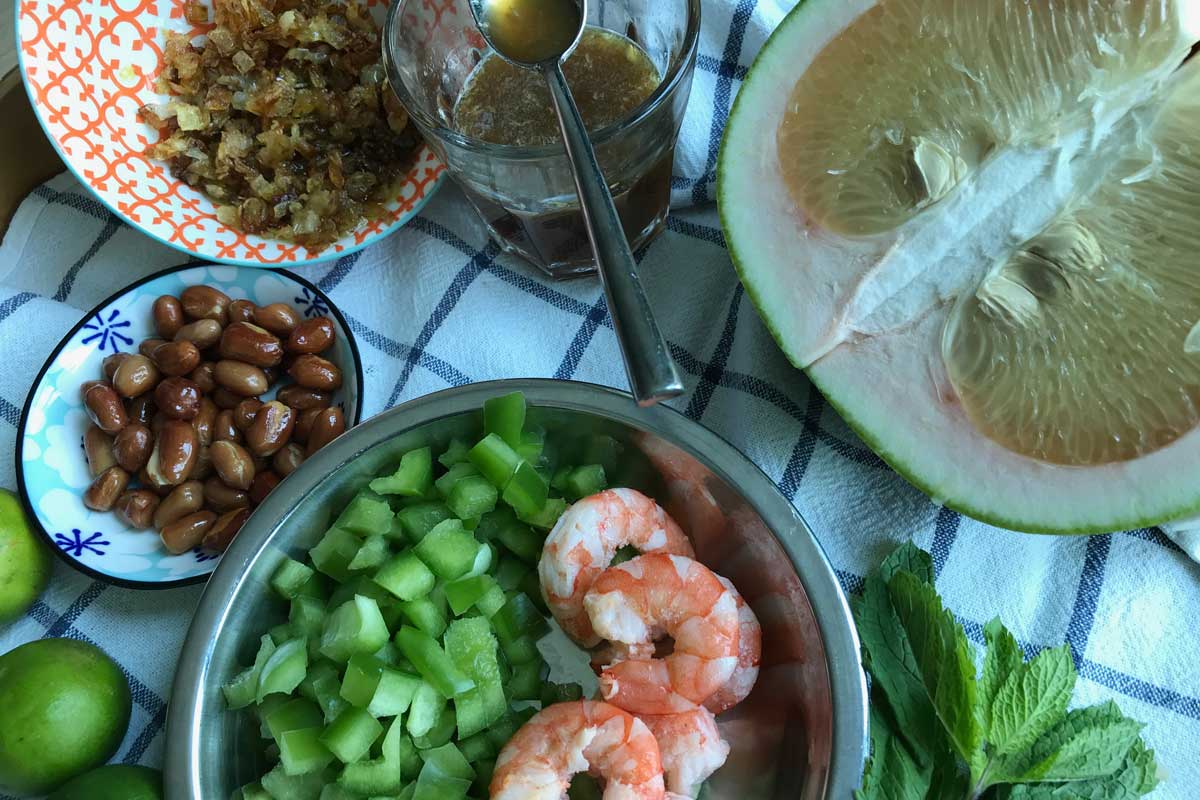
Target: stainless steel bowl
x=802 y=733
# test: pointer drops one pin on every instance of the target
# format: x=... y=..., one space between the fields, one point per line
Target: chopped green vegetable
x=406 y=576
x=472 y=497
x=584 y=481
x=418 y=520
x=333 y=554
x=413 y=478
x=393 y=693
x=356 y=626
x=361 y=679
x=350 y=736
x=505 y=417
x=290 y=577
x=453 y=475
x=284 y=670
x=456 y=453
x=527 y=492
x=426 y=615
x=301 y=751
x=432 y=662
x=426 y=709
x=449 y=550
x=371 y=554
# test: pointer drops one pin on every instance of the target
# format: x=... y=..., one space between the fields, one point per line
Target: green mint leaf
x=1003 y=657
x=893 y=667
x=1137 y=776
x=949 y=781
x=943 y=659
x=1031 y=701
x=1090 y=743
x=907 y=558
x=891 y=773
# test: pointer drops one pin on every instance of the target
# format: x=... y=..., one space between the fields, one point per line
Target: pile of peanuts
x=185 y=417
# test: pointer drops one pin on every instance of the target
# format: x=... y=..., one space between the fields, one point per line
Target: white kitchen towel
x=435 y=306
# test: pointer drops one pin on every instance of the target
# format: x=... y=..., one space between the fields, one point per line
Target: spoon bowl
x=529 y=33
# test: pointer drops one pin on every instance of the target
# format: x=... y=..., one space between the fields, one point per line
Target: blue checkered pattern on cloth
x=420 y=303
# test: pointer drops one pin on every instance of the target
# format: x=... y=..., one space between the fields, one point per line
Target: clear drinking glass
x=526 y=195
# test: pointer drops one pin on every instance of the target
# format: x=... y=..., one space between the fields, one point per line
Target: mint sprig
x=940 y=731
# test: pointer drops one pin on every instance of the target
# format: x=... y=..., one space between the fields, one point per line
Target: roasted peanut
x=187 y=532
x=135 y=376
x=205 y=302
x=202 y=376
x=288 y=459
x=174 y=454
x=225 y=398
x=315 y=372
x=178 y=398
x=328 y=425
x=311 y=336
x=132 y=446
x=104 y=406
x=176 y=358
x=241 y=311
x=148 y=346
x=243 y=341
x=278 y=318
x=98 y=446
x=204 y=467
x=220 y=497
x=271 y=429
x=241 y=378
x=186 y=498
x=302 y=399
x=221 y=534
x=204 y=421
x=264 y=483
x=110 y=363
x=304 y=423
x=136 y=508
x=156 y=422
x=224 y=429
x=104 y=491
x=168 y=316
x=233 y=464
x=243 y=413
x=203 y=333
x=141 y=409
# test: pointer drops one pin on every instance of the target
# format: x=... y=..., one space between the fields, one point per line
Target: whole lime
x=64 y=708
x=113 y=782
x=24 y=560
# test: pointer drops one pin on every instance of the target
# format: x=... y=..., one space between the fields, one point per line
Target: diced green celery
x=526 y=681
x=394 y=693
x=470 y=715
x=519 y=617
x=527 y=492
x=560 y=693
x=333 y=554
x=432 y=663
x=350 y=736
x=450 y=760
x=584 y=481
x=251 y=791
x=455 y=453
x=359 y=584
x=409 y=791
x=464 y=592
x=492 y=601
x=532 y=446
x=472 y=647
x=433 y=785
x=523 y=542
x=472 y=496
x=284 y=669
x=449 y=550
x=281 y=633
x=413 y=478
x=383 y=775
x=558 y=481
x=367 y=513
x=531 y=587
x=317 y=670
x=584 y=787
x=301 y=751
x=425 y=615
x=509 y=572
x=505 y=417
x=476 y=748
x=281 y=786
x=361 y=679
x=267 y=707
x=427 y=706
x=405 y=576
x=470 y=523
x=355 y=626
x=289 y=578
x=441 y=733
x=453 y=475
x=418 y=520
x=373 y=552
x=521 y=650
x=327 y=691
x=546 y=517
x=389 y=654
x=495 y=459
x=291 y=715
x=317 y=587
x=484 y=559
x=332 y=791
x=306 y=616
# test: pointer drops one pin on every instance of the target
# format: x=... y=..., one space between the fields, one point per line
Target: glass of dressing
x=494 y=126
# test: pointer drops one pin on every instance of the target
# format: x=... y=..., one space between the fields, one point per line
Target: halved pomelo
x=976 y=224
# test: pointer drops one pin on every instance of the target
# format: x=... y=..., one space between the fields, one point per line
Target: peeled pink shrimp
x=749 y=657
x=584 y=543
x=691 y=748
x=635 y=602
x=566 y=739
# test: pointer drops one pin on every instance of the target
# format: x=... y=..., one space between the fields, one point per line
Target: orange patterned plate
x=89 y=65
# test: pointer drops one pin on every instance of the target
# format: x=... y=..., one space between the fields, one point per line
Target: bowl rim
x=193 y=684
x=329 y=254
x=23 y=419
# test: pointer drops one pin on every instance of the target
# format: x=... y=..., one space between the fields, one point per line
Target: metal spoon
x=538 y=35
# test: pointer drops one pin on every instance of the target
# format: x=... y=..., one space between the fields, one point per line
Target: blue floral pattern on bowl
x=52 y=470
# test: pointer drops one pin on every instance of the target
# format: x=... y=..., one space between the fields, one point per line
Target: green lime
x=65 y=710
x=113 y=782
x=24 y=561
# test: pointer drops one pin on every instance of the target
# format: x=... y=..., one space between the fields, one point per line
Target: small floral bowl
x=52 y=471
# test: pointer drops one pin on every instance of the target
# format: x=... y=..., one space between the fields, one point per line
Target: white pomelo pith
x=976 y=224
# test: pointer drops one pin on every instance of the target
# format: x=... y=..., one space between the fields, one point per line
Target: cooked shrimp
x=584 y=542
x=691 y=748
x=635 y=602
x=566 y=739
x=749 y=656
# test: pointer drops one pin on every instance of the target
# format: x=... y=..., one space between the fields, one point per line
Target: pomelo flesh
x=994 y=276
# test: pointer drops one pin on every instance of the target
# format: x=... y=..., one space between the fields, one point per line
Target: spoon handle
x=653 y=375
